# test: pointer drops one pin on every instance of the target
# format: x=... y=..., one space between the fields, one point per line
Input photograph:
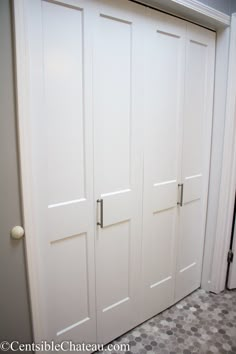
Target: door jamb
x=26 y=177
x=228 y=177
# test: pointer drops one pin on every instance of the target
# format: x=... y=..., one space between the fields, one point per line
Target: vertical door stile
x=180 y=167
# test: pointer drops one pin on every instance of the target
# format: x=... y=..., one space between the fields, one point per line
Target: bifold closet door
x=179 y=79
x=60 y=52
x=197 y=123
x=117 y=109
x=120 y=105
x=164 y=93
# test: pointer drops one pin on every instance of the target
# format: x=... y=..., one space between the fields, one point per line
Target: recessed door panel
x=160 y=241
x=64 y=102
x=68 y=284
x=116 y=274
x=113 y=85
x=163 y=108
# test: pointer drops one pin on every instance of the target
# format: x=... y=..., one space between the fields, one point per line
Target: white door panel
x=192 y=188
x=117 y=207
x=197 y=120
x=163 y=108
x=62 y=155
x=118 y=169
x=164 y=196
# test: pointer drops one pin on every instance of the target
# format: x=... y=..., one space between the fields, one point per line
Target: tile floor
x=201 y=323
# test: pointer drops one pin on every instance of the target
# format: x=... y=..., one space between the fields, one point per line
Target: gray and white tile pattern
x=201 y=323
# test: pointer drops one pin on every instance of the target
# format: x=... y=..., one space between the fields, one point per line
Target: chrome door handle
x=180 y=203
x=100 y=223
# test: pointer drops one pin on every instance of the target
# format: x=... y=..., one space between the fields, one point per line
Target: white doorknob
x=17 y=232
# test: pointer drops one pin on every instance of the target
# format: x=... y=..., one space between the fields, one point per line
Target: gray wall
x=226 y=6
x=233 y=6
x=14 y=302
x=221 y=5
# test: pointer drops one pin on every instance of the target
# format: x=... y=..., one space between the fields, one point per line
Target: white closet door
x=62 y=156
x=164 y=88
x=118 y=164
x=199 y=79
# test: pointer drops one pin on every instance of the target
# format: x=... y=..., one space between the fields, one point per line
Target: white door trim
x=192 y=10
x=23 y=99
x=218 y=126
x=194 y=5
x=228 y=177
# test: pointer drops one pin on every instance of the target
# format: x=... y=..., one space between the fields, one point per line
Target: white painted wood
x=202 y=9
x=197 y=123
x=62 y=155
x=118 y=67
x=24 y=136
x=214 y=268
x=228 y=178
x=164 y=72
x=66 y=216
x=192 y=10
x=220 y=94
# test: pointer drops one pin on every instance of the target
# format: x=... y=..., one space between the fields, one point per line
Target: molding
x=228 y=178
x=217 y=146
x=203 y=9
x=22 y=111
x=192 y=10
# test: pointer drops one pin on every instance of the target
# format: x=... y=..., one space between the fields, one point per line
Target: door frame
x=212 y=279
x=228 y=178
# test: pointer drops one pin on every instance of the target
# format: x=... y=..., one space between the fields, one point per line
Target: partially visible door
x=197 y=121
x=118 y=164
x=14 y=301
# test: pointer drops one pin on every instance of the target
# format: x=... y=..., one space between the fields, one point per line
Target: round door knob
x=17 y=232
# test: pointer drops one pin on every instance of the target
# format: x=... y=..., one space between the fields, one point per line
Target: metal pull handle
x=181 y=185
x=100 y=223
